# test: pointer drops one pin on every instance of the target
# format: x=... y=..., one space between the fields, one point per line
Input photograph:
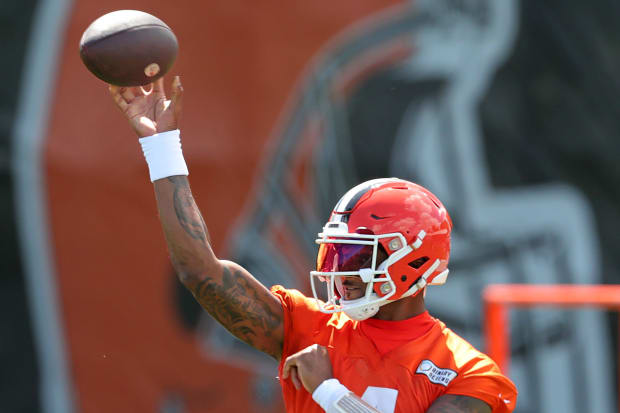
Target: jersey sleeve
x=481 y=378
x=301 y=316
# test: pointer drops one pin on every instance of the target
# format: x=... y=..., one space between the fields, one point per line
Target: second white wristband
x=163 y=155
x=328 y=392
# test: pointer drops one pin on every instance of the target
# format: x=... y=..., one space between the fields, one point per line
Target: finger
x=158 y=86
x=177 y=97
x=137 y=91
x=330 y=351
x=118 y=99
x=127 y=94
x=295 y=378
x=286 y=367
x=324 y=351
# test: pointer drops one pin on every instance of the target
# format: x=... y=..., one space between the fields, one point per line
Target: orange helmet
x=390 y=217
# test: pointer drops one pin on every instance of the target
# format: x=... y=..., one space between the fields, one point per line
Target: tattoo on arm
x=228 y=292
x=454 y=403
x=184 y=201
x=235 y=303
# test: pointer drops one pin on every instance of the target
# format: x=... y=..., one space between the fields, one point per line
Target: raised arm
x=226 y=290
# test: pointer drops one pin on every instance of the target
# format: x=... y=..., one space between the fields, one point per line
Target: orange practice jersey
x=407 y=378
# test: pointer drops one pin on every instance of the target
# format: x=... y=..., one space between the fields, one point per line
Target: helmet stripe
x=350 y=199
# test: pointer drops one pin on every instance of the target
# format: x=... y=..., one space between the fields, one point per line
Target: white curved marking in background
x=469 y=57
x=39 y=75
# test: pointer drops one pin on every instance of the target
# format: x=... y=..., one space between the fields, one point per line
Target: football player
x=364 y=342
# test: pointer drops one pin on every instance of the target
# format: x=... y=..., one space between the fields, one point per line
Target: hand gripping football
x=128 y=48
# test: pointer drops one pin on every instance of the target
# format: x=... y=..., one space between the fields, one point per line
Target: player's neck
x=402 y=309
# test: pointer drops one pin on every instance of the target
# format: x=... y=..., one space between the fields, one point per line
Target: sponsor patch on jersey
x=435 y=374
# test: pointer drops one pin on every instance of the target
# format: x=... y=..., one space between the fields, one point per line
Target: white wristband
x=328 y=393
x=163 y=155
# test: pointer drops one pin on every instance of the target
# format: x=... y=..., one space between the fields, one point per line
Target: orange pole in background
x=498 y=297
x=497 y=333
x=568 y=295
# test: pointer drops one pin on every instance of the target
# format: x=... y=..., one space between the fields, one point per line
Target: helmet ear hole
x=418 y=262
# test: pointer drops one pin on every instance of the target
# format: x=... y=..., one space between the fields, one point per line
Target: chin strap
x=363 y=312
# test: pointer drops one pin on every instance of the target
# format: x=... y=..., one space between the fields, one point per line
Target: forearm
x=185 y=231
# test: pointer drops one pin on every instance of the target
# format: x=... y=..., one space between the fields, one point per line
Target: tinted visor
x=343 y=257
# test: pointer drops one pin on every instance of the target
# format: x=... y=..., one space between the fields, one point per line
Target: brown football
x=128 y=48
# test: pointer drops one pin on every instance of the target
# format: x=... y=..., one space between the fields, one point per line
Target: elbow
x=191 y=276
x=187 y=278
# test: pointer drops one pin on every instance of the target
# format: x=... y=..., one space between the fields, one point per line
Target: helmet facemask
x=343 y=254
